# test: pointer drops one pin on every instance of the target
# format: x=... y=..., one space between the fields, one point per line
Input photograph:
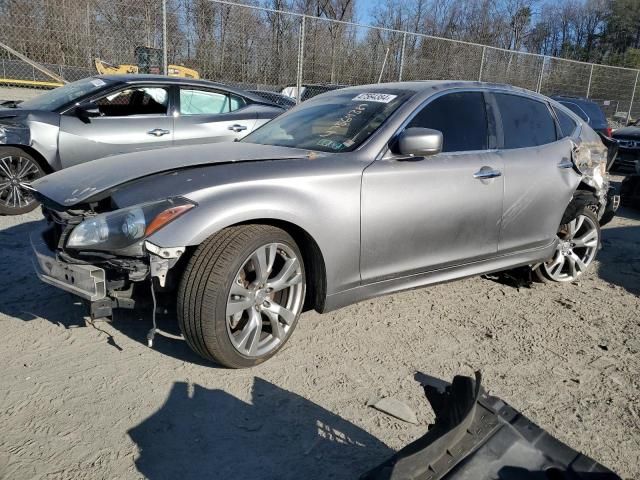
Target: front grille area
x=630 y=143
x=626 y=162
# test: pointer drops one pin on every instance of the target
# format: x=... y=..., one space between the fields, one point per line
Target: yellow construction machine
x=149 y=60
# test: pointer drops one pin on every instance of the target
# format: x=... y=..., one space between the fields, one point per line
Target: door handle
x=486 y=172
x=565 y=163
x=237 y=128
x=158 y=132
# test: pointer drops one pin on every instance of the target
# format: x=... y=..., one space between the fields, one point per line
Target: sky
x=363 y=10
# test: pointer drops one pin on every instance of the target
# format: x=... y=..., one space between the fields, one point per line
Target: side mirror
x=87 y=111
x=419 y=142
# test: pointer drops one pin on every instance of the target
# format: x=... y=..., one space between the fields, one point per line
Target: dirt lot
x=92 y=401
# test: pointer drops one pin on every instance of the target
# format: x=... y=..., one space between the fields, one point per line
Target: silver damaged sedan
x=107 y=115
x=355 y=193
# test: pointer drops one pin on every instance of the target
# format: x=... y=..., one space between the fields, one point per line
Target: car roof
x=572 y=99
x=423 y=86
x=166 y=80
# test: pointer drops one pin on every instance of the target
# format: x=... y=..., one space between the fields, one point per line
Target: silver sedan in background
x=354 y=193
x=106 y=115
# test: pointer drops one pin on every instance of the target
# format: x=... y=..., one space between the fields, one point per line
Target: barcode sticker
x=374 y=97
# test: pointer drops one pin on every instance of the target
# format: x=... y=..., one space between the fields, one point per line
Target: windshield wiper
x=10 y=103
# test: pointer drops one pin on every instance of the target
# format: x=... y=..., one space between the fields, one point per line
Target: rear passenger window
x=462 y=119
x=525 y=122
x=204 y=102
x=567 y=124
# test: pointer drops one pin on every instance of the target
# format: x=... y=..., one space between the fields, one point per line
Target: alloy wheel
x=577 y=247
x=265 y=298
x=16 y=175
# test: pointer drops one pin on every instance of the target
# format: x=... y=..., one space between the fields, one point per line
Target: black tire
x=15 y=200
x=205 y=288
x=573 y=212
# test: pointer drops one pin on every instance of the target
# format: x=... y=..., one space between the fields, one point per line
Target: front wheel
x=17 y=170
x=578 y=243
x=241 y=295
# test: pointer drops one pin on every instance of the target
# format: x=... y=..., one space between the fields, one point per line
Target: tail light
x=608 y=132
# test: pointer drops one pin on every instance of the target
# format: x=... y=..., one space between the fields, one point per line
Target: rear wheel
x=17 y=170
x=578 y=243
x=241 y=295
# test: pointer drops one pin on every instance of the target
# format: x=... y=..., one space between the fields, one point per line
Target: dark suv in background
x=588 y=110
x=628 y=138
x=628 y=159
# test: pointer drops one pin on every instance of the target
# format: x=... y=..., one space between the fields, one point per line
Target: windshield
x=61 y=96
x=338 y=122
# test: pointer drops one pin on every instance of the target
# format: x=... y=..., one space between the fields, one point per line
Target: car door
x=132 y=118
x=209 y=116
x=539 y=174
x=421 y=214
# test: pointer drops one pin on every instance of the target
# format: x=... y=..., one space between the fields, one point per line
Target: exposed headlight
x=123 y=228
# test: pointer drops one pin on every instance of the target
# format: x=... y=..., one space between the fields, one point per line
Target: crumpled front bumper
x=85 y=281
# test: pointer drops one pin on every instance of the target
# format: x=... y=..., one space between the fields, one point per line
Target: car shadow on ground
x=201 y=433
x=618 y=260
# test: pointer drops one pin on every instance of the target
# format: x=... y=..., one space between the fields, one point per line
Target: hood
x=89 y=180
x=627 y=132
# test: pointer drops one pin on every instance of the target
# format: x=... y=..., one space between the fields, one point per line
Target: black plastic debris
x=479 y=437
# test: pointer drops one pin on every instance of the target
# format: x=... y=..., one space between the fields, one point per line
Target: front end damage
x=105 y=279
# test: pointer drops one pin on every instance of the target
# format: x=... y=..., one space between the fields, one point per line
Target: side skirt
x=433 y=277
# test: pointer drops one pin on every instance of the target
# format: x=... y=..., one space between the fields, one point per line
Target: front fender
x=326 y=206
x=14 y=133
x=39 y=134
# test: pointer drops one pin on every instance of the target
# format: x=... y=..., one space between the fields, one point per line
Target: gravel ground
x=92 y=401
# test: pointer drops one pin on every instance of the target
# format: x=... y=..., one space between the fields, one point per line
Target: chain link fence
x=265 y=49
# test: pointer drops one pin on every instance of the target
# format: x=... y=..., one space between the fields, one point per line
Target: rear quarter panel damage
x=589 y=155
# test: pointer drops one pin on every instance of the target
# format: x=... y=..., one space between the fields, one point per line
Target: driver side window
x=134 y=101
x=462 y=119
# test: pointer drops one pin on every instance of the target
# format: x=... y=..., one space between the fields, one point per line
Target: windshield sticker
x=333 y=145
x=96 y=82
x=374 y=97
x=345 y=120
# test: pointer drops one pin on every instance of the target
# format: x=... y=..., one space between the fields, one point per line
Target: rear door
x=209 y=116
x=420 y=214
x=133 y=118
x=539 y=175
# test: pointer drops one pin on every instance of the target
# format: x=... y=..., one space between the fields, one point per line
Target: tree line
x=260 y=47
